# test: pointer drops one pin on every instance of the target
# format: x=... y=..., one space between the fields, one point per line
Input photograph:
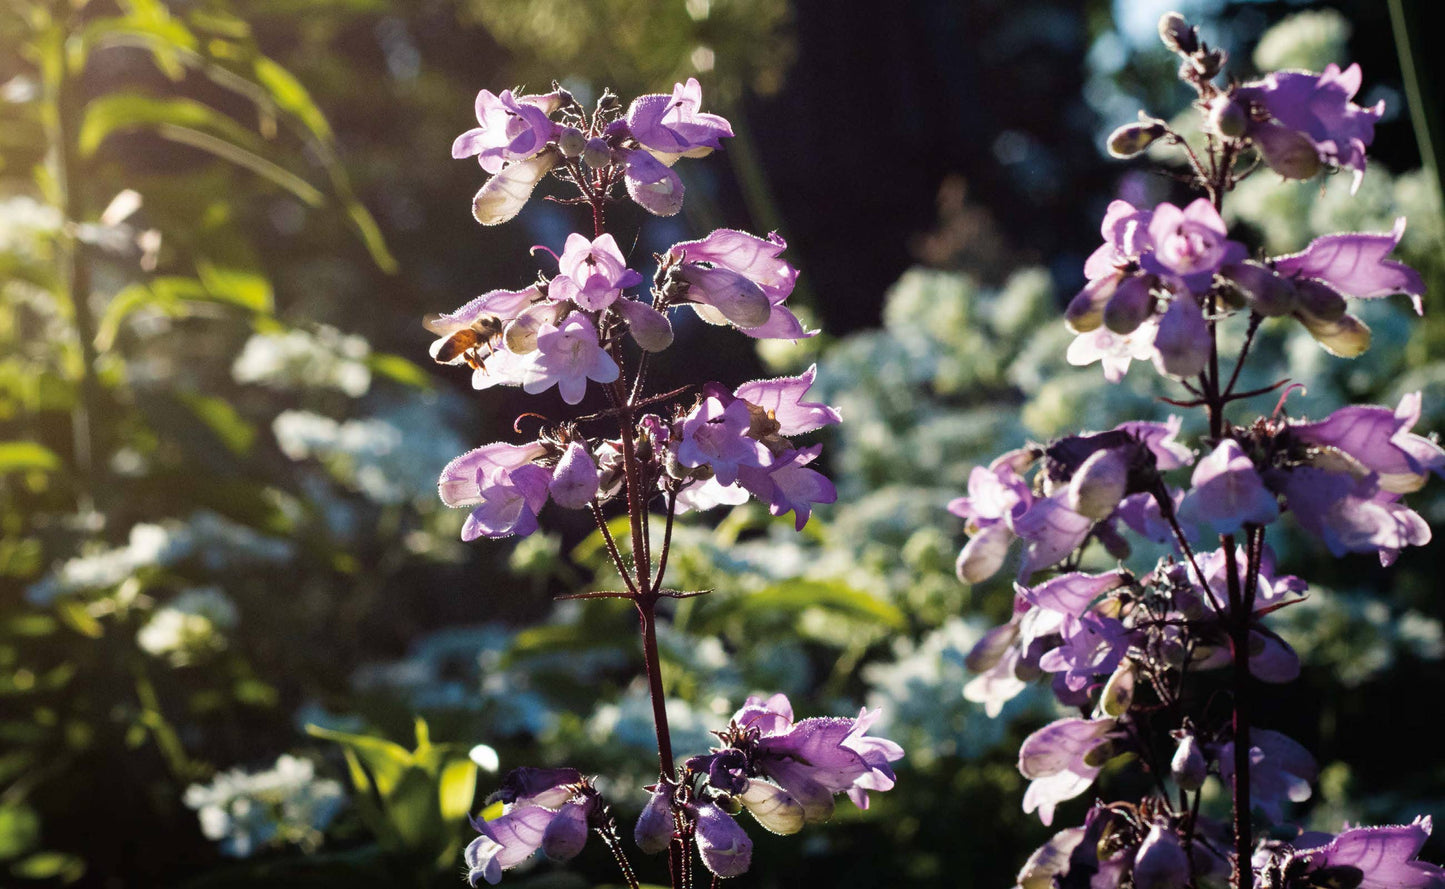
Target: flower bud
x=1133 y=138
x=1267 y=293
x=655 y=826
x=989 y=650
x=1319 y=300
x=1099 y=484
x=1229 y=117
x=1177 y=34
x=596 y=153
x=1118 y=692
x=1182 y=342
x=1161 y=862
x=571 y=141
x=1130 y=306
x=1188 y=766
x=566 y=834
x=724 y=847
x=772 y=807
x=1085 y=311
x=1347 y=337
x=1289 y=153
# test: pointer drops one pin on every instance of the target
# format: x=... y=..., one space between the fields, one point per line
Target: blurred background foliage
x=220 y=224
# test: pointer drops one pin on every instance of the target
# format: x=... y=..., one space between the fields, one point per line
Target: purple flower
x=506 y=488
x=474 y=326
x=653 y=185
x=716 y=435
x=1280 y=770
x=1352 y=515
x=816 y=758
x=1380 y=440
x=1384 y=856
x=655 y=826
x=591 y=274
x=1116 y=351
x=1320 y=107
x=734 y=277
x=782 y=400
x=547 y=809
x=724 y=847
x=511 y=128
x=1190 y=245
x=1228 y=493
x=1161 y=862
x=574 y=481
x=1061 y=761
x=1355 y=264
x=788 y=485
x=567 y=357
x=674 y=125
x=1181 y=343
x=1051 y=531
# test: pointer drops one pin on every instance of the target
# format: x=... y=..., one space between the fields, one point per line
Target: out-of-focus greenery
x=217 y=464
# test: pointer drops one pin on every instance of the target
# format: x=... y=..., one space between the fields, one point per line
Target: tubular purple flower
x=1385 y=856
x=1161 y=862
x=674 y=125
x=591 y=274
x=503 y=484
x=651 y=184
x=1190 y=244
x=574 y=481
x=715 y=435
x=511 y=128
x=544 y=808
x=655 y=825
x=1355 y=264
x=1228 y=493
x=1320 y=107
x=724 y=847
x=1280 y=770
x=1181 y=345
x=788 y=485
x=725 y=298
x=650 y=329
x=567 y=357
x=782 y=399
x=1381 y=441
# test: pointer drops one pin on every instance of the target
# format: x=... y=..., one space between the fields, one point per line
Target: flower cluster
x=1129 y=648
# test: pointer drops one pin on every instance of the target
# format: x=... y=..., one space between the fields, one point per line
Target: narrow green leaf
x=290 y=96
x=457 y=788
x=119 y=112
x=833 y=596
x=240 y=287
x=385 y=760
x=27 y=456
x=398 y=369
x=222 y=419
x=241 y=157
x=74 y=615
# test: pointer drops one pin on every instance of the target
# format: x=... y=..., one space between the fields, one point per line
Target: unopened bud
x=1347 y=337
x=1208 y=63
x=1133 y=138
x=596 y=154
x=1289 y=153
x=655 y=826
x=1267 y=293
x=1177 y=34
x=1099 y=484
x=1118 y=692
x=1229 y=117
x=1101 y=754
x=571 y=141
x=1085 y=311
x=1130 y=306
x=1182 y=343
x=1319 y=300
x=1188 y=766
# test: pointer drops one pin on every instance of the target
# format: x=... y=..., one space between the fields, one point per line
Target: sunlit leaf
x=221 y=418
x=26 y=456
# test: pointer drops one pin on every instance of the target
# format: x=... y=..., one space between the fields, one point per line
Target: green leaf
x=75 y=615
x=834 y=596
x=19 y=830
x=290 y=96
x=168 y=41
x=398 y=369
x=50 y=865
x=457 y=788
x=385 y=761
x=27 y=456
x=412 y=808
x=222 y=419
x=239 y=287
x=119 y=112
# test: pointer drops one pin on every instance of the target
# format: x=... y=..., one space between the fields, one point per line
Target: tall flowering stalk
x=581 y=331
x=1139 y=654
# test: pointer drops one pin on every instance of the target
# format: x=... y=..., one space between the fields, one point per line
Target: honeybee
x=462 y=342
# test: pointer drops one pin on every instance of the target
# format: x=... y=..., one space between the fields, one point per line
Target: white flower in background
x=298 y=359
x=191 y=626
x=215 y=542
x=286 y=804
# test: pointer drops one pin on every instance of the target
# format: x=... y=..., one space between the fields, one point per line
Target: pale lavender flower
x=1181 y=342
x=1061 y=761
x=511 y=128
x=675 y=125
x=1380 y=440
x=1116 y=351
x=1355 y=264
x=738 y=278
x=502 y=483
x=574 y=481
x=547 y=809
x=782 y=400
x=653 y=185
x=567 y=357
x=1353 y=515
x=1228 y=493
x=725 y=848
x=1190 y=245
x=591 y=274
x=1321 y=107
x=1280 y=770
x=1161 y=862
x=788 y=485
x=1385 y=856
x=714 y=434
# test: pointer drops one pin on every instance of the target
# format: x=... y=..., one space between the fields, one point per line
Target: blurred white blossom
x=247 y=811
